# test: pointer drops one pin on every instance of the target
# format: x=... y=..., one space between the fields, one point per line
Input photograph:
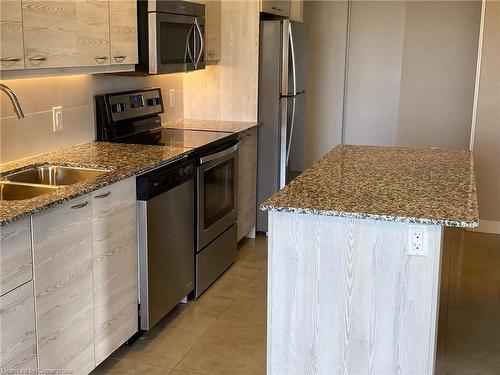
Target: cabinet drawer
x=17 y=333
x=15 y=255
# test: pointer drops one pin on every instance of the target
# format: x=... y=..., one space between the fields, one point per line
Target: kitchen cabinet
x=11 y=35
x=62 y=244
x=247 y=182
x=213 y=30
x=114 y=243
x=65 y=33
x=277 y=7
x=15 y=255
x=123 y=31
x=17 y=333
x=297 y=10
x=40 y=34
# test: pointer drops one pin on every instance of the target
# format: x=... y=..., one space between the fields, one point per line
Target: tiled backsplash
x=33 y=134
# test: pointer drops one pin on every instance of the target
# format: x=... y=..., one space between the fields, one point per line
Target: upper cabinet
x=277 y=7
x=123 y=31
x=213 y=30
x=11 y=35
x=65 y=33
x=38 y=34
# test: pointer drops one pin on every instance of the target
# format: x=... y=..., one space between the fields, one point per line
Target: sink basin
x=12 y=191
x=55 y=175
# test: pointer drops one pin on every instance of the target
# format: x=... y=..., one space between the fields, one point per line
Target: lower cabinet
x=17 y=331
x=83 y=295
x=114 y=244
x=62 y=247
x=85 y=269
x=247 y=182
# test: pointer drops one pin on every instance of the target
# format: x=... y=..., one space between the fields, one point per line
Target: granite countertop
x=424 y=186
x=211 y=125
x=123 y=160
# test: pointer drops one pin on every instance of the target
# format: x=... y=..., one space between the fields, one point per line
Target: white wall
x=375 y=59
x=487 y=136
x=411 y=73
x=325 y=86
x=33 y=134
x=438 y=73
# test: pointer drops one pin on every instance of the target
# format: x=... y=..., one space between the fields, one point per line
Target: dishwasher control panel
x=162 y=179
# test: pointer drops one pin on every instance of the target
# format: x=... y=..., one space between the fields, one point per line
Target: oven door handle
x=218 y=155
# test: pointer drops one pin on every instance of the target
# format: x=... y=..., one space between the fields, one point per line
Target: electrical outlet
x=57 y=119
x=416 y=245
x=172 y=98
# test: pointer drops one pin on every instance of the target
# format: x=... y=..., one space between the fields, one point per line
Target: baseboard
x=487 y=226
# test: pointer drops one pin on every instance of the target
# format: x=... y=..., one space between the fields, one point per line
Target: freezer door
x=296 y=51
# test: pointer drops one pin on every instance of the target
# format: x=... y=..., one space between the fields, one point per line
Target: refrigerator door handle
x=291 y=131
x=294 y=78
x=292 y=54
x=282 y=143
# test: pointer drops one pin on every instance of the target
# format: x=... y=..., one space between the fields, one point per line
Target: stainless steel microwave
x=171 y=36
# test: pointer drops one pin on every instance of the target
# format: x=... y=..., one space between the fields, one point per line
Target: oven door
x=172 y=43
x=217 y=194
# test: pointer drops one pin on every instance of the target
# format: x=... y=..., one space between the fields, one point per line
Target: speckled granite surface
x=425 y=186
x=123 y=160
x=211 y=125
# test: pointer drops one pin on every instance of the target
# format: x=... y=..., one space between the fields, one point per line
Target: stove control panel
x=134 y=104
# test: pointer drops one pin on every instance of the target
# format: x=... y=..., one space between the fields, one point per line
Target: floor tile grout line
x=216 y=320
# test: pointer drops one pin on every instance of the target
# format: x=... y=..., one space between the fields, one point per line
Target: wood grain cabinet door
x=15 y=255
x=62 y=248
x=62 y=33
x=11 y=35
x=247 y=183
x=17 y=331
x=114 y=233
x=123 y=31
x=213 y=30
x=278 y=7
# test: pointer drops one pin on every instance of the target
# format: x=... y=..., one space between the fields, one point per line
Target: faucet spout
x=13 y=99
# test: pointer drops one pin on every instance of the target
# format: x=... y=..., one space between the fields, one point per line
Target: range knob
x=154 y=101
x=117 y=108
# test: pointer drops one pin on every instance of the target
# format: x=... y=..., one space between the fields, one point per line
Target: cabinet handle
x=119 y=58
x=81 y=205
x=278 y=9
x=10 y=59
x=100 y=196
x=38 y=58
x=101 y=59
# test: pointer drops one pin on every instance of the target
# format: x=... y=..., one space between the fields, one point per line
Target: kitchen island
x=355 y=247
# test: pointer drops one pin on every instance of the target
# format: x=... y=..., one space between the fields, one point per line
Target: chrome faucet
x=13 y=99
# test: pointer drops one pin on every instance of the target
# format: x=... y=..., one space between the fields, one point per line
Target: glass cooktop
x=190 y=138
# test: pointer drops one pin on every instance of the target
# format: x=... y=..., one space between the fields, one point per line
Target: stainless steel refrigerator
x=282 y=107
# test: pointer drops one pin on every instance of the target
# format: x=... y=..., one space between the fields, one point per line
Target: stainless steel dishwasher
x=166 y=239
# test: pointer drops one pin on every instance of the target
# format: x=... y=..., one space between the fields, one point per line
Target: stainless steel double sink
x=35 y=181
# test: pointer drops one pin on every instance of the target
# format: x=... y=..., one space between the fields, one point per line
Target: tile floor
x=224 y=332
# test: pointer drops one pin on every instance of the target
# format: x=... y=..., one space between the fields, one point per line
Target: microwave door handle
x=217 y=155
x=188 y=48
x=198 y=28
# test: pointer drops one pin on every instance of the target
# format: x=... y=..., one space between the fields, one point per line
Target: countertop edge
x=87 y=190
x=367 y=216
